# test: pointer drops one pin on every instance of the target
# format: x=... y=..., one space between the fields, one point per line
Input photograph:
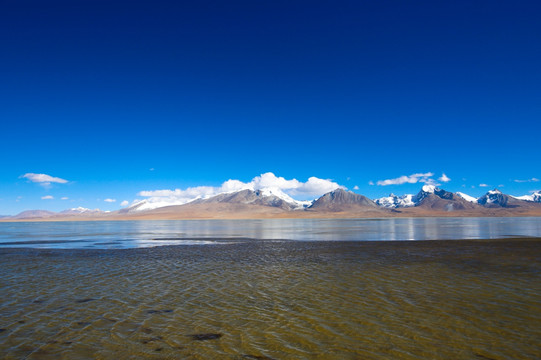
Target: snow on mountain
x=273 y=191
x=426 y=190
x=394 y=201
x=154 y=203
x=80 y=210
x=467 y=197
x=491 y=197
x=534 y=197
x=495 y=198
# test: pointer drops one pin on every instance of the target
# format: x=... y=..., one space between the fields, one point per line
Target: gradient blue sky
x=100 y=92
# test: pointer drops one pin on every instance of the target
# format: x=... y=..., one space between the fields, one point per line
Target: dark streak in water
x=146 y=341
x=484 y=357
x=81 y=301
x=202 y=337
x=159 y=311
x=214 y=238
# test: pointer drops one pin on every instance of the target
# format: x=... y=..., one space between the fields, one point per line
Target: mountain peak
x=340 y=199
x=394 y=201
x=429 y=188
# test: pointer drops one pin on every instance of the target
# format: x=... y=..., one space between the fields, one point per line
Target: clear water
x=103 y=291
x=134 y=234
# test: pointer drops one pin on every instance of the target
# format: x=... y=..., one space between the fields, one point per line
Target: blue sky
x=98 y=93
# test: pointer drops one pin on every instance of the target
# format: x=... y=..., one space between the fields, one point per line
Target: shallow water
x=132 y=234
x=275 y=300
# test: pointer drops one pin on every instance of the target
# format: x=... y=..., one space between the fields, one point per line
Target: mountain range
x=273 y=203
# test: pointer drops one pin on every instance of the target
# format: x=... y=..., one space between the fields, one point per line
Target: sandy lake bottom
x=464 y=299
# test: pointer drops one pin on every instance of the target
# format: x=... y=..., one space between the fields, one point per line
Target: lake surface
x=248 y=290
x=133 y=234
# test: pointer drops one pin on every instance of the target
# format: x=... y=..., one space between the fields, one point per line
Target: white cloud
x=528 y=180
x=444 y=178
x=371 y=183
x=43 y=179
x=64 y=198
x=47 y=197
x=312 y=188
x=484 y=185
x=110 y=200
x=125 y=203
x=411 y=179
x=355 y=187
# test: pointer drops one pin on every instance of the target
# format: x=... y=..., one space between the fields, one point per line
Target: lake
x=272 y=289
x=133 y=234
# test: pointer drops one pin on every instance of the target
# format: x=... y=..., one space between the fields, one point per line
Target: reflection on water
x=130 y=234
x=275 y=300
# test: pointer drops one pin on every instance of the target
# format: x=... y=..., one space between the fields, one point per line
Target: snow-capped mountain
x=80 y=210
x=534 y=197
x=428 y=190
x=269 y=192
x=467 y=197
x=282 y=195
x=255 y=197
x=495 y=198
x=434 y=198
x=394 y=201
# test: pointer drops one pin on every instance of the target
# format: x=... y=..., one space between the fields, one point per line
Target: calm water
x=235 y=296
x=131 y=234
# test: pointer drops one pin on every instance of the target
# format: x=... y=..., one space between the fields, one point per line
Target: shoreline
x=240 y=242
x=308 y=216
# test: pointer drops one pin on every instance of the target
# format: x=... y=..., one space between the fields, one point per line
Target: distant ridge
x=33 y=214
x=342 y=200
x=272 y=203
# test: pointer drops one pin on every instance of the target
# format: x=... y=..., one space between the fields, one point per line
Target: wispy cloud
x=411 y=179
x=47 y=197
x=527 y=180
x=444 y=178
x=43 y=179
x=313 y=187
x=110 y=200
x=484 y=185
x=64 y=198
